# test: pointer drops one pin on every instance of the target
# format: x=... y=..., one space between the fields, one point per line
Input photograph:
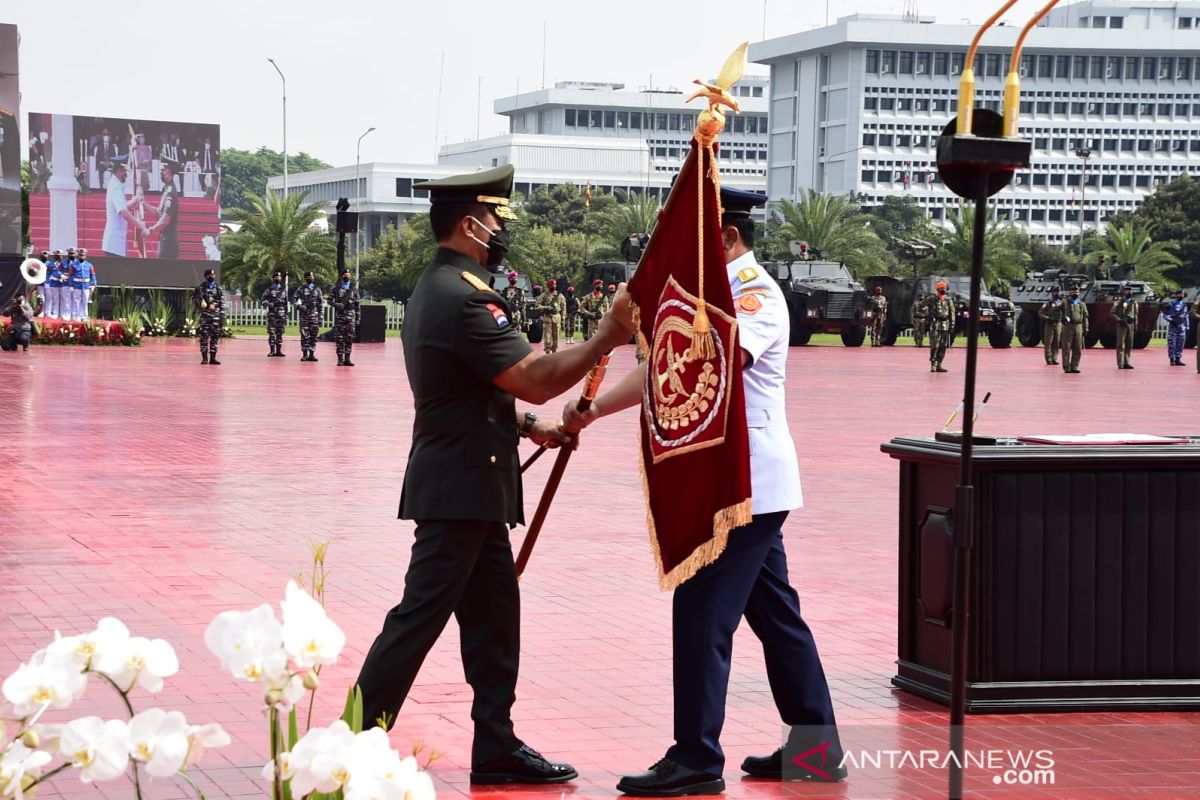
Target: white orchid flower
x=140 y=661
x=19 y=767
x=283 y=690
x=318 y=761
x=159 y=739
x=310 y=637
x=374 y=770
x=46 y=678
x=96 y=747
x=87 y=649
x=248 y=643
x=202 y=737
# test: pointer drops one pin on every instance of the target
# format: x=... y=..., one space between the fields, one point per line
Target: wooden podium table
x=1085 y=586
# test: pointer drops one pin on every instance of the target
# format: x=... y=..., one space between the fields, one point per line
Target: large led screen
x=10 y=144
x=143 y=196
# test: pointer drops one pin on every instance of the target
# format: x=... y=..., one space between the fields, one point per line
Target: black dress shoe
x=523 y=765
x=669 y=778
x=771 y=767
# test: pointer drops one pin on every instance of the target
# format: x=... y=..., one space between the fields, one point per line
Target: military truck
x=1098 y=294
x=822 y=297
x=996 y=314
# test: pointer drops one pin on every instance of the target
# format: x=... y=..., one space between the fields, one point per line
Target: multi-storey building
x=1110 y=98
x=584 y=134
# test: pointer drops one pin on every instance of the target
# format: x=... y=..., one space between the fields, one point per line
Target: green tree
x=833 y=226
x=636 y=213
x=245 y=173
x=1044 y=256
x=277 y=233
x=541 y=253
x=1005 y=250
x=1174 y=212
x=1131 y=244
x=906 y=230
x=392 y=267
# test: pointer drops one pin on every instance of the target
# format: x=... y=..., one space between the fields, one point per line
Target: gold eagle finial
x=712 y=119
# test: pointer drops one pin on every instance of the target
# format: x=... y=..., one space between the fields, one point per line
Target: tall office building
x=1110 y=98
x=583 y=134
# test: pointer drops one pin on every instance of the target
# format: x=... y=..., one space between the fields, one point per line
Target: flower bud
x=311 y=681
x=30 y=739
x=274 y=697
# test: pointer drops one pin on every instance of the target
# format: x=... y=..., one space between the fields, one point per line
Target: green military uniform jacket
x=458 y=336
x=1052 y=311
x=1075 y=314
x=919 y=310
x=941 y=313
x=555 y=305
x=1125 y=312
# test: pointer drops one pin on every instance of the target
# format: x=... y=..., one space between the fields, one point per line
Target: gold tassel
x=702 y=337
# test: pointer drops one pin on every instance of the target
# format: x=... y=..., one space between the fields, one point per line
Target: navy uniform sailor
x=466 y=364
x=750 y=577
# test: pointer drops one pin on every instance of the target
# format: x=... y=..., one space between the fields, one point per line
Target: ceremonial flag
x=695 y=450
x=587 y=197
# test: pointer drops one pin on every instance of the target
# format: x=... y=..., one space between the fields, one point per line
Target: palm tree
x=834 y=227
x=1133 y=245
x=276 y=234
x=1005 y=249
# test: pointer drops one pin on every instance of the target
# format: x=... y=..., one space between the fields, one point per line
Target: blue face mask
x=310 y=283
x=345 y=284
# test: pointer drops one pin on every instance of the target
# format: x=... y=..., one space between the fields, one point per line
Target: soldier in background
x=920 y=318
x=591 y=309
x=572 y=314
x=309 y=301
x=608 y=298
x=554 y=309
x=44 y=289
x=941 y=327
x=1125 y=312
x=1195 y=315
x=55 y=285
x=879 y=306
x=274 y=299
x=1176 y=312
x=514 y=297
x=344 y=299
x=1051 y=315
x=1074 y=329
x=208 y=300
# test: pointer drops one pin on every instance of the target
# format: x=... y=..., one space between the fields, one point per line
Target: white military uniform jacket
x=763 y=326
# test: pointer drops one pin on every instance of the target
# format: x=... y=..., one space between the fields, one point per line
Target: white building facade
x=583 y=134
x=856 y=107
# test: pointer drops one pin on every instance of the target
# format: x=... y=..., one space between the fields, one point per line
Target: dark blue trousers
x=749 y=579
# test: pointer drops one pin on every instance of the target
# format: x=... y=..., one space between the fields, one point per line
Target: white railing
x=240 y=312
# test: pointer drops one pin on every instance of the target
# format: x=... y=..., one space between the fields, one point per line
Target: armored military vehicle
x=1099 y=295
x=996 y=314
x=822 y=297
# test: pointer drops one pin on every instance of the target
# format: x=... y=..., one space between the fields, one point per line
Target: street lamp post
x=285 y=156
x=358 y=200
x=1085 y=153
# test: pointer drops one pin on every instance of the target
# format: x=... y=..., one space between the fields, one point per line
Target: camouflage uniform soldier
x=554 y=308
x=941 y=327
x=1176 y=312
x=572 y=314
x=1125 y=312
x=274 y=297
x=879 y=305
x=1074 y=329
x=920 y=318
x=514 y=298
x=344 y=299
x=308 y=299
x=208 y=300
x=591 y=309
x=1051 y=315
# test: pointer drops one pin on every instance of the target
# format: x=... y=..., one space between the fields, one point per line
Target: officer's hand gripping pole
x=591 y=385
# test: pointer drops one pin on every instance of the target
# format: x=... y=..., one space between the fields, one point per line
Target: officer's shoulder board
x=477 y=284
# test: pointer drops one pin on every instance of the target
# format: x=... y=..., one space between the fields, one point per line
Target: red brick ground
x=163 y=492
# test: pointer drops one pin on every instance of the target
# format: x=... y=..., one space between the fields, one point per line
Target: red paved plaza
x=141 y=485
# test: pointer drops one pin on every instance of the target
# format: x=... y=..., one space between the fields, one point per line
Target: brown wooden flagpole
x=590 y=387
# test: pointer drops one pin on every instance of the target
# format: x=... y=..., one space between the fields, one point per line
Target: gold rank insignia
x=749 y=303
x=478 y=284
x=748 y=274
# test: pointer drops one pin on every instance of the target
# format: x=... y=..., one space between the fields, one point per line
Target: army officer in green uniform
x=466 y=363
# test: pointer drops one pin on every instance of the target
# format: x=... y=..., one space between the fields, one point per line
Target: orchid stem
x=48 y=775
x=192 y=783
x=276 y=748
